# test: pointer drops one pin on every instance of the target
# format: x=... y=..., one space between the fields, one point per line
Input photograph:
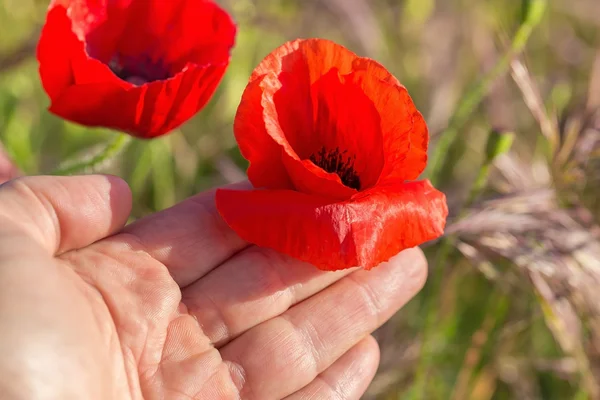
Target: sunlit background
x=512 y=306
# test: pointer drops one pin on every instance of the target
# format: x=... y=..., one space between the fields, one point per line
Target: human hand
x=174 y=306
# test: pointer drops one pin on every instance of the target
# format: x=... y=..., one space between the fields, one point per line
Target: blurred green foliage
x=491 y=340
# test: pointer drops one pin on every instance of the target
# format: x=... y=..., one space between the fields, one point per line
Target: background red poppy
x=140 y=66
x=331 y=139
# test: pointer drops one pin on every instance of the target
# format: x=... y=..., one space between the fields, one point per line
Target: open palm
x=174 y=306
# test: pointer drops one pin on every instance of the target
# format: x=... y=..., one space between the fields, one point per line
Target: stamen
x=338 y=162
x=138 y=71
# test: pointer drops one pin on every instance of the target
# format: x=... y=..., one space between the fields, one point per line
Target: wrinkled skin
x=174 y=306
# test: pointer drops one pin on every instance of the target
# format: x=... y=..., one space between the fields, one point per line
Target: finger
x=190 y=238
x=284 y=354
x=8 y=170
x=253 y=286
x=65 y=213
x=348 y=378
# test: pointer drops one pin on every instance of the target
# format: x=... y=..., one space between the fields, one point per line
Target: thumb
x=64 y=213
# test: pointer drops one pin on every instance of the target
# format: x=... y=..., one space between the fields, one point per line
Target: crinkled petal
x=389 y=219
x=274 y=164
x=293 y=121
x=176 y=31
x=346 y=119
x=363 y=231
x=290 y=125
x=316 y=57
x=370 y=106
x=145 y=111
x=266 y=169
x=405 y=134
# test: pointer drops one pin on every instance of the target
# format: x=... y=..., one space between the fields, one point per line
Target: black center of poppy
x=138 y=70
x=338 y=162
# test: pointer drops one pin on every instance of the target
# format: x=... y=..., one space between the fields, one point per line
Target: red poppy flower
x=332 y=140
x=140 y=66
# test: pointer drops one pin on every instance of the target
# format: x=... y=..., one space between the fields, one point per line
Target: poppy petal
x=405 y=134
x=266 y=169
x=144 y=111
x=346 y=119
x=389 y=219
x=176 y=32
x=363 y=231
x=308 y=178
x=281 y=115
x=56 y=72
x=316 y=57
x=404 y=130
x=290 y=78
x=337 y=115
x=274 y=164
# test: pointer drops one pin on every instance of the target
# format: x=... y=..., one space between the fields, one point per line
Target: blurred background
x=511 y=93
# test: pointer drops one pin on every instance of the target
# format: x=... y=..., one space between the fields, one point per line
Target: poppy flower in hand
x=140 y=66
x=333 y=141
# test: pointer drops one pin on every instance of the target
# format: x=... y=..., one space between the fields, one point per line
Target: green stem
x=534 y=10
x=95 y=162
x=479 y=184
x=163 y=173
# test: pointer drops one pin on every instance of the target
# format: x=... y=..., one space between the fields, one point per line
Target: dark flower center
x=338 y=162
x=138 y=70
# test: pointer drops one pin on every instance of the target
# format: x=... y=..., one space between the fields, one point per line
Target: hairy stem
x=94 y=163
